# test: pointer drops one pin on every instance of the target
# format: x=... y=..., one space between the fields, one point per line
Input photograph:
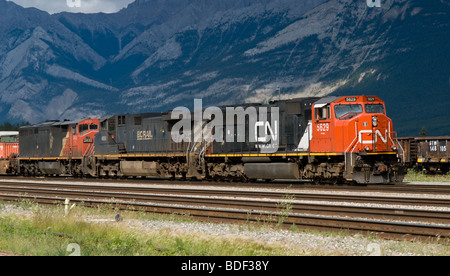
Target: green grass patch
x=30 y=229
x=47 y=232
x=422 y=176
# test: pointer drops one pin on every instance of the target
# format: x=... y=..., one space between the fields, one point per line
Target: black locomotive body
x=42 y=140
x=143 y=145
x=133 y=134
x=134 y=145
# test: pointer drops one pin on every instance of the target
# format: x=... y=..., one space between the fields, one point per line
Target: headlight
x=375 y=121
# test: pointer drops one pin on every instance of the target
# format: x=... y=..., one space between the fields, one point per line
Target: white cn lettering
x=269 y=133
x=377 y=134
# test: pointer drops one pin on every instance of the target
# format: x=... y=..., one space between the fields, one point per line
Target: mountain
x=155 y=55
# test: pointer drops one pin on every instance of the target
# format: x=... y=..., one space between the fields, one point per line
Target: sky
x=84 y=6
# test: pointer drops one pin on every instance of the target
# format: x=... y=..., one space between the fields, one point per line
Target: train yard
x=400 y=212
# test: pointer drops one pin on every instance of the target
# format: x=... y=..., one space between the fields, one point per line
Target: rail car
x=9 y=148
x=428 y=154
x=332 y=139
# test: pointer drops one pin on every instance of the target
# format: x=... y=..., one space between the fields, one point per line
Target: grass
x=30 y=229
x=424 y=177
x=49 y=233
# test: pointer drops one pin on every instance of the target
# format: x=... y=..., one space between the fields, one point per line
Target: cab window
x=374 y=108
x=103 y=125
x=112 y=124
x=83 y=128
x=347 y=111
x=323 y=113
x=93 y=127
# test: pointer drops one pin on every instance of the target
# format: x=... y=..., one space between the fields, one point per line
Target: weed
x=284 y=208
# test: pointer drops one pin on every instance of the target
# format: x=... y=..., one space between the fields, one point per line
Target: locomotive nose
x=381 y=125
x=374 y=133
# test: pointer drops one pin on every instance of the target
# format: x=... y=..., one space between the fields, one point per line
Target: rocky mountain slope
x=155 y=55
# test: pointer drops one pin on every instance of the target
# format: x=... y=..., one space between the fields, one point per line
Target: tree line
x=12 y=127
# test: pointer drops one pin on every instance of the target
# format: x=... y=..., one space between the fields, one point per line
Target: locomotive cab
x=357 y=128
x=352 y=124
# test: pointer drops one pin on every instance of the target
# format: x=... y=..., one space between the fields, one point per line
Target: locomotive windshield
x=375 y=108
x=347 y=111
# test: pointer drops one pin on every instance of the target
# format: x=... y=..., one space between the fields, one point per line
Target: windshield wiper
x=348 y=116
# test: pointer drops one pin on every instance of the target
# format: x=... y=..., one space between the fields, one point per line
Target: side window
x=93 y=127
x=323 y=113
x=137 y=121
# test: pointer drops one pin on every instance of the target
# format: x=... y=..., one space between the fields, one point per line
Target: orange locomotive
x=356 y=131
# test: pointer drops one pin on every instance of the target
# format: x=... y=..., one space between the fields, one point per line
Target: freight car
x=333 y=139
x=9 y=149
x=428 y=154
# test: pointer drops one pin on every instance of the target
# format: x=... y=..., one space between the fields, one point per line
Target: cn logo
x=270 y=134
x=370 y=132
x=74 y=3
x=374 y=3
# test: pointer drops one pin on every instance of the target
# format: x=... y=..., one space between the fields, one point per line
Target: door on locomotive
x=323 y=127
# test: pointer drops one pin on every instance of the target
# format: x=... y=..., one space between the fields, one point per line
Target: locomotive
x=330 y=139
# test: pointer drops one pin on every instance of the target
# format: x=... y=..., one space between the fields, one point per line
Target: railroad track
x=284 y=208
x=302 y=194
x=430 y=188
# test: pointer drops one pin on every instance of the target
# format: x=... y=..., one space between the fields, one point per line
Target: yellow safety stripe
x=141 y=155
x=208 y=155
x=274 y=154
x=382 y=153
